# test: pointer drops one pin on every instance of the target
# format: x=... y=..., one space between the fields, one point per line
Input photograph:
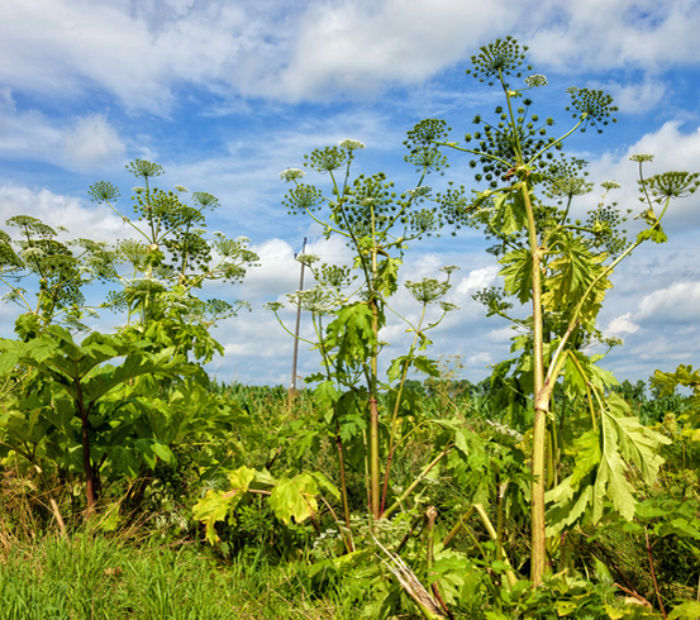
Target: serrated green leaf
x=517 y=274
x=211 y=509
x=600 y=475
x=325 y=394
x=425 y=365
x=295 y=498
x=215 y=505
x=689 y=609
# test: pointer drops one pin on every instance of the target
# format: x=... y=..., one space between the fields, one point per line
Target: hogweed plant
x=348 y=306
x=33 y=256
x=109 y=407
x=172 y=257
x=562 y=268
x=378 y=224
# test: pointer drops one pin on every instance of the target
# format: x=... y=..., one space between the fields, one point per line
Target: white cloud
x=93 y=142
x=639 y=97
x=136 y=55
x=141 y=52
x=614 y=33
x=676 y=303
x=357 y=47
x=480 y=359
x=620 y=325
x=477 y=279
x=503 y=334
x=94 y=222
x=85 y=143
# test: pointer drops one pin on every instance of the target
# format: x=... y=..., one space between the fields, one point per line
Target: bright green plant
x=170 y=259
x=64 y=405
x=562 y=267
x=377 y=224
x=32 y=255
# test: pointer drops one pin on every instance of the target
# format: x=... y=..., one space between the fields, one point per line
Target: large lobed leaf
x=602 y=460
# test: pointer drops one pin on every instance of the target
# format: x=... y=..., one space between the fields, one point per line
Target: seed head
x=351 y=145
x=205 y=199
x=594 y=106
x=535 y=80
x=671 y=185
x=291 y=174
x=503 y=56
x=103 y=191
x=427 y=290
x=326 y=159
x=142 y=168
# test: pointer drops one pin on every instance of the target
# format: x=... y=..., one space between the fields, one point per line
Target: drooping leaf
x=602 y=460
x=215 y=505
x=295 y=498
x=517 y=274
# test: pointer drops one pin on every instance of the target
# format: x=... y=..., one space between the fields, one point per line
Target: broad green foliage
x=115 y=404
x=71 y=408
x=292 y=498
x=601 y=465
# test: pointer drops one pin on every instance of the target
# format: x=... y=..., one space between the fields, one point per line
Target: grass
x=96 y=577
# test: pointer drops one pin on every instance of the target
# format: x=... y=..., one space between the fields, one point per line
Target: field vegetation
x=135 y=485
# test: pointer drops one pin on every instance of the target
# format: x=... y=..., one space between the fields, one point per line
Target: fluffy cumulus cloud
x=675 y=304
x=82 y=220
x=359 y=46
x=621 y=325
x=92 y=142
x=614 y=33
x=141 y=51
x=636 y=97
x=79 y=144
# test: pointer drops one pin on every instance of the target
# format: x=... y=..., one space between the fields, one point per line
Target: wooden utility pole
x=293 y=385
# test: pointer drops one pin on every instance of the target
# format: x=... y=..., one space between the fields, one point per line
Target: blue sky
x=226 y=94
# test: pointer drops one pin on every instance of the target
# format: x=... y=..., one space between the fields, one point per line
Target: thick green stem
x=373 y=405
x=397 y=405
x=542 y=394
x=510 y=575
x=87 y=463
